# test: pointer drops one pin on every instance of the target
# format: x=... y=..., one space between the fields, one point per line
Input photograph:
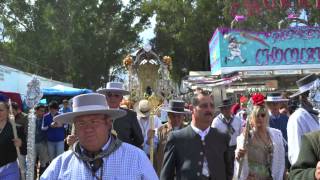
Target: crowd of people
x=259 y=138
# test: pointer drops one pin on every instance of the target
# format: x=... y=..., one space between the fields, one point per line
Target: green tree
x=74 y=41
x=183 y=31
x=260 y=18
x=184 y=27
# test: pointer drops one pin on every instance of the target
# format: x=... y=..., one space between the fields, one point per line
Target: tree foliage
x=265 y=15
x=183 y=30
x=73 y=41
x=184 y=27
x=78 y=41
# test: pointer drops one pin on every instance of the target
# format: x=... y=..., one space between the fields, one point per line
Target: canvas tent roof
x=60 y=90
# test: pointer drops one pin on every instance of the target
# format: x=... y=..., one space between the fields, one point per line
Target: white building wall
x=13 y=80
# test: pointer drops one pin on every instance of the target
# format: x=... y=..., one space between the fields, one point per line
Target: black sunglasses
x=263 y=115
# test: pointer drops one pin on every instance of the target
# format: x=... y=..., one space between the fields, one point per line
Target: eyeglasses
x=109 y=95
x=263 y=115
x=94 y=123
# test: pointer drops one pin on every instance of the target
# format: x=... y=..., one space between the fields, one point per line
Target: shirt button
x=203 y=143
x=199 y=162
x=201 y=153
x=198 y=173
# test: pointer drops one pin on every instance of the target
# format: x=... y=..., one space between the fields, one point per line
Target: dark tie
x=95 y=164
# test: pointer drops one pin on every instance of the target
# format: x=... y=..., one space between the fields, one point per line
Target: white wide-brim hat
x=87 y=104
x=275 y=97
x=115 y=87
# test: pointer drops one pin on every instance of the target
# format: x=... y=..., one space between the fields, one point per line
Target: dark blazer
x=184 y=154
x=128 y=129
x=308 y=158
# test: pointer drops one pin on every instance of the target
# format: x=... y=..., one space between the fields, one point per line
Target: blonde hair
x=259 y=110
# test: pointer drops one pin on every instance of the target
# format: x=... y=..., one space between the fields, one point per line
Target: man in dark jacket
x=198 y=151
x=308 y=163
x=127 y=128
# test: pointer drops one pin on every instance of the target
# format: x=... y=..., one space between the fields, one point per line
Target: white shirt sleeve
x=278 y=161
x=146 y=147
x=294 y=139
x=44 y=128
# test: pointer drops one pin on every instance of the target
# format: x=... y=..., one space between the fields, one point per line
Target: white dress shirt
x=299 y=123
x=203 y=134
x=145 y=126
x=222 y=127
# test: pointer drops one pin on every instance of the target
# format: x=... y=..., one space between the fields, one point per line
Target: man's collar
x=200 y=132
x=104 y=147
x=223 y=117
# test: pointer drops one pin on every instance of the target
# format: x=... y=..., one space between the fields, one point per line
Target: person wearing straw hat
x=97 y=154
x=197 y=151
x=303 y=120
x=127 y=127
x=176 y=115
x=226 y=123
x=143 y=115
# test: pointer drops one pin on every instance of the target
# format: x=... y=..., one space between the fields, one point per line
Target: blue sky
x=148 y=33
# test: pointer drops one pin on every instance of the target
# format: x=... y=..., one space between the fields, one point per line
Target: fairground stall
x=265 y=61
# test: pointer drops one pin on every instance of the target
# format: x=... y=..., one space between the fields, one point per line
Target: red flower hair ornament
x=243 y=99
x=258 y=99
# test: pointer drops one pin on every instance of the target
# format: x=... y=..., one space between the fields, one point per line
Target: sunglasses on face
x=263 y=115
x=113 y=95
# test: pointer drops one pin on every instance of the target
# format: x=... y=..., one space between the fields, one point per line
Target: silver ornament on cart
x=314 y=95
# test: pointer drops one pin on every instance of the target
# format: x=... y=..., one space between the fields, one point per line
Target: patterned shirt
x=127 y=162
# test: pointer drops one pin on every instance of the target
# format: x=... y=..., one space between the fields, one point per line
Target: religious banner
x=236 y=50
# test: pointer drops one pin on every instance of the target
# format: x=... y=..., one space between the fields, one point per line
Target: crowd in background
x=257 y=137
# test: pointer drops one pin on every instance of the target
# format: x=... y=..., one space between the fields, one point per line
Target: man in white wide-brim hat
x=98 y=154
x=303 y=120
x=126 y=127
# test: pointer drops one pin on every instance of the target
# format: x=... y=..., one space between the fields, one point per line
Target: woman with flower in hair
x=264 y=150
